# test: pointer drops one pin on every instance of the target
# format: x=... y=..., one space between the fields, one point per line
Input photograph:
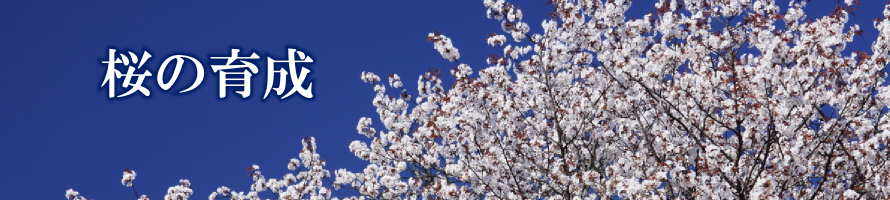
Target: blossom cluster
x=306 y=184
x=443 y=45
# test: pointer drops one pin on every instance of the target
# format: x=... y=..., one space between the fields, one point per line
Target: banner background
x=59 y=129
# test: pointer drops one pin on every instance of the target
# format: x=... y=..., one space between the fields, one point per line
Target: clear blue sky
x=59 y=129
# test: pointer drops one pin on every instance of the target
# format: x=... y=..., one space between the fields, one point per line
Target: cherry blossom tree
x=700 y=99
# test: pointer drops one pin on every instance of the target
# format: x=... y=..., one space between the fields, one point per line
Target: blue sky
x=59 y=129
